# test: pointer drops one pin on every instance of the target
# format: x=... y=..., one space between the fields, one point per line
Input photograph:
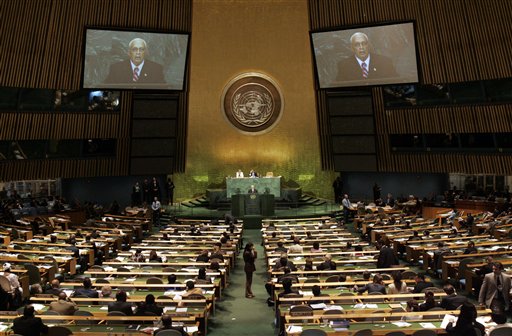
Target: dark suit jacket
x=120 y=306
x=452 y=302
x=387 y=258
x=31 y=326
x=144 y=308
x=380 y=67
x=250 y=191
x=151 y=73
x=86 y=292
x=53 y=291
x=420 y=286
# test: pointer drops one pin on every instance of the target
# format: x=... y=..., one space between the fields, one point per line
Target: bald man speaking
x=137 y=70
x=363 y=65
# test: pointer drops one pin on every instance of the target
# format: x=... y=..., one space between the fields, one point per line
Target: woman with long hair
x=250 y=256
x=466 y=323
x=398 y=286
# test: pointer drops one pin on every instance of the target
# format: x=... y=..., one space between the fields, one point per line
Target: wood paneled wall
x=458 y=41
x=42 y=47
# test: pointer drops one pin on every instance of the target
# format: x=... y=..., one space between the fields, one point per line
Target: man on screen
x=363 y=65
x=136 y=71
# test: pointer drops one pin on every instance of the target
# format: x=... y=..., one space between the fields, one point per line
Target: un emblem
x=252 y=103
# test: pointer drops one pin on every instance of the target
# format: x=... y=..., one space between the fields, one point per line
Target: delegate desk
x=115 y=325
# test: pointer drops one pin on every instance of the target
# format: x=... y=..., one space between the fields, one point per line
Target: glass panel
x=469 y=92
x=66 y=100
x=31 y=149
x=36 y=100
x=499 y=90
x=503 y=141
x=500 y=183
x=63 y=149
x=9 y=99
x=104 y=101
x=477 y=140
x=99 y=147
x=400 y=95
x=442 y=141
x=406 y=142
x=435 y=94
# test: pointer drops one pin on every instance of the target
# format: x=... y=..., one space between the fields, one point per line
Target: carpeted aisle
x=237 y=315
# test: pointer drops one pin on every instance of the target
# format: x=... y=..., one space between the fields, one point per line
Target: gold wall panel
x=233 y=37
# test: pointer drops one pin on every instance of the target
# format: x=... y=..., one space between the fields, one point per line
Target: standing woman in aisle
x=250 y=256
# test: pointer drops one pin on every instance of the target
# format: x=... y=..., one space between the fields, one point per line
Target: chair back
x=84 y=313
x=375 y=299
x=503 y=331
x=396 y=333
x=364 y=332
x=5 y=284
x=196 y=297
x=53 y=313
x=313 y=332
x=59 y=331
x=154 y=280
x=333 y=278
x=408 y=275
x=424 y=332
x=326 y=318
x=169 y=332
x=301 y=310
x=115 y=313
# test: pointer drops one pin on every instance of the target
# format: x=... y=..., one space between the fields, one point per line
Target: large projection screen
x=110 y=58
x=391 y=49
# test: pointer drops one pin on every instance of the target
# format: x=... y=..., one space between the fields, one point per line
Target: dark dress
x=249 y=268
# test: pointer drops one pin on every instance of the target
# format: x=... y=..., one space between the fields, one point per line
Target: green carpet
x=237 y=315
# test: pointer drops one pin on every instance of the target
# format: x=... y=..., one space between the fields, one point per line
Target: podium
x=252 y=204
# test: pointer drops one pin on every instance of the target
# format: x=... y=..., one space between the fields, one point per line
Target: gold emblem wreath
x=264 y=117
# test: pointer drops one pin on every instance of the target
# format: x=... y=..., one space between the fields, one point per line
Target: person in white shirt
x=347 y=205
x=239 y=173
x=296 y=248
x=13 y=278
x=155 y=206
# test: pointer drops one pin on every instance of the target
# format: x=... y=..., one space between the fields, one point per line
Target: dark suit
x=252 y=191
x=149 y=308
x=120 y=306
x=452 y=302
x=86 y=292
x=122 y=73
x=29 y=326
x=53 y=291
x=380 y=67
x=387 y=258
x=420 y=286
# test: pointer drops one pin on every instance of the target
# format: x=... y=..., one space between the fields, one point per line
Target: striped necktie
x=135 y=74
x=364 y=68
